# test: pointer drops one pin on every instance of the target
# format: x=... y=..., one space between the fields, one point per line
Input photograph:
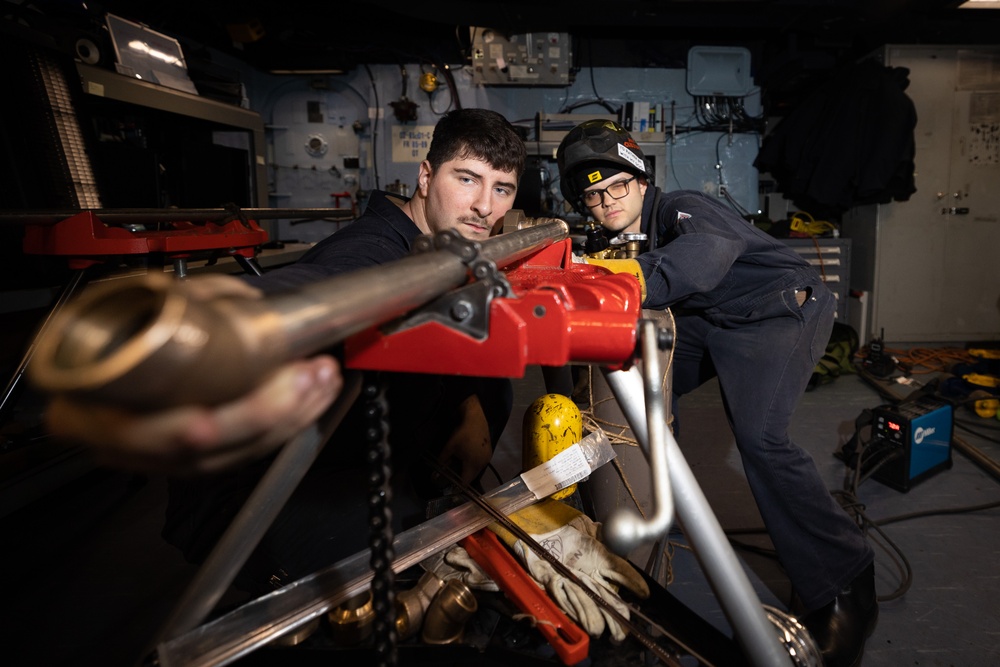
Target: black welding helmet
x=593 y=151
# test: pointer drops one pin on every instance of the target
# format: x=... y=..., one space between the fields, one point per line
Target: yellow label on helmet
x=594 y=176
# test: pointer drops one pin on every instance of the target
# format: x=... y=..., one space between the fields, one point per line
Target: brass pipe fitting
x=446 y=617
x=412 y=605
x=352 y=621
x=633 y=244
x=624 y=246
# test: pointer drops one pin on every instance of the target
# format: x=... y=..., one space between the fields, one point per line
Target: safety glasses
x=616 y=190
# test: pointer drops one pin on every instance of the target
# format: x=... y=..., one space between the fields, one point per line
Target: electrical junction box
x=715 y=71
x=530 y=59
x=921 y=431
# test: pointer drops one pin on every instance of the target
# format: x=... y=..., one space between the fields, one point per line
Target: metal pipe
x=723 y=570
x=147 y=343
x=139 y=216
x=625 y=530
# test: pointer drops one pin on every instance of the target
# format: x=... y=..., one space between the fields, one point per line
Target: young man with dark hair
x=467 y=183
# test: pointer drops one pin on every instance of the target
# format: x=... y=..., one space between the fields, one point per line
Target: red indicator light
x=893 y=425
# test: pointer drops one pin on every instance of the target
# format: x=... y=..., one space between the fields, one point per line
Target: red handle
x=569 y=641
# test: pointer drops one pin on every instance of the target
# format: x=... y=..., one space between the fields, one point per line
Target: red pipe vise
x=86 y=240
x=551 y=311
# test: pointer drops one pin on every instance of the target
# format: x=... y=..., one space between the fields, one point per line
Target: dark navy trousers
x=764 y=352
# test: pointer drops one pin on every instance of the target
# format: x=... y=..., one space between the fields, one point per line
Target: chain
x=380 y=523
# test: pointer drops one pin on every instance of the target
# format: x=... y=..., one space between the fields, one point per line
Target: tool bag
x=839 y=357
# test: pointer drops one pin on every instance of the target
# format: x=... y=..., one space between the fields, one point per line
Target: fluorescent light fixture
x=980 y=4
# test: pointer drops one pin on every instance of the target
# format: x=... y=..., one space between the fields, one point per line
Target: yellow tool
x=985 y=404
x=981 y=380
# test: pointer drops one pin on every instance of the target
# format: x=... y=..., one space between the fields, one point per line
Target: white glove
x=458 y=564
x=576 y=546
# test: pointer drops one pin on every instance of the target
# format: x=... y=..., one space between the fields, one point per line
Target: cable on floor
x=921 y=360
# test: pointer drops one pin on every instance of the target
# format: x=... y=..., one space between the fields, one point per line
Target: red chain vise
x=543 y=309
x=85 y=238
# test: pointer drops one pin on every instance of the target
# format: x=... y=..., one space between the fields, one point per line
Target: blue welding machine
x=919 y=432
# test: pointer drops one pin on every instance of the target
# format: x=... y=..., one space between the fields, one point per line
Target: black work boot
x=841 y=627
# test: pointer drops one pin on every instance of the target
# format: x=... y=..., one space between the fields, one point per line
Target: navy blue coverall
x=326 y=519
x=734 y=292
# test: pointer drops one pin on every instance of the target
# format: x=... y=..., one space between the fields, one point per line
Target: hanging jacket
x=851 y=142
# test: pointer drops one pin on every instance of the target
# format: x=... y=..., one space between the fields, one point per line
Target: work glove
x=629 y=266
x=458 y=564
x=573 y=539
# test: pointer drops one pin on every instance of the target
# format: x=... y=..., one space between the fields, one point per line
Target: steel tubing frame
x=732 y=588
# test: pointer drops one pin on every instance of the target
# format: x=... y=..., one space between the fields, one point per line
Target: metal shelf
x=113 y=86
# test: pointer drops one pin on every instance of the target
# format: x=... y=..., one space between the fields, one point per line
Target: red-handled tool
x=570 y=642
